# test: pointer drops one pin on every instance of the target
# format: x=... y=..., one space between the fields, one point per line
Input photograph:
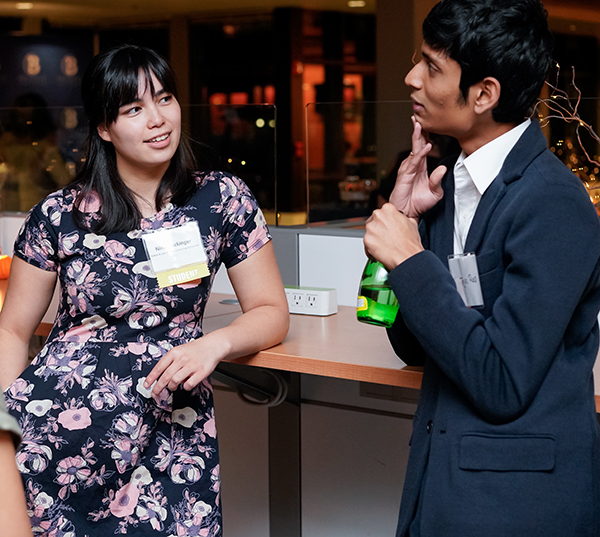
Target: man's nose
x=412 y=79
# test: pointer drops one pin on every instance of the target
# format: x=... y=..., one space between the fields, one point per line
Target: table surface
x=335 y=346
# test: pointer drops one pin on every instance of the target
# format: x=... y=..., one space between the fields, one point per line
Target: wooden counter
x=336 y=346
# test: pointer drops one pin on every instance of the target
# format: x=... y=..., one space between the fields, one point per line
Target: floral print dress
x=100 y=455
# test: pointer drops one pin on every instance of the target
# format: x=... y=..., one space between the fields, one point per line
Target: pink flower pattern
x=75 y=419
x=103 y=441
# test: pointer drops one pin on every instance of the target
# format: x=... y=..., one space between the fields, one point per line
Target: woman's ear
x=486 y=94
x=103 y=133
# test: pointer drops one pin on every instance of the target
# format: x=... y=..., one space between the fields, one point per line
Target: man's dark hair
x=505 y=39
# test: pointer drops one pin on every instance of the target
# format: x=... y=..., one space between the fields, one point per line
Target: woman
x=116 y=410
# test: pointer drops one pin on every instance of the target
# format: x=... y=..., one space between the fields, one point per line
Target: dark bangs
x=114 y=79
x=121 y=81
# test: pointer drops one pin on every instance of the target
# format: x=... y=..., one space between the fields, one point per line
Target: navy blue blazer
x=505 y=438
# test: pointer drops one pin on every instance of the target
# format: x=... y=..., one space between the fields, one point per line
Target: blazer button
x=429 y=426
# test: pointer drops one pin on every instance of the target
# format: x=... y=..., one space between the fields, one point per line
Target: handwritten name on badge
x=463 y=268
x=177 y=254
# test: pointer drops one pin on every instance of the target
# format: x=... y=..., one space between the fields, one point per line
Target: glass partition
x=351 y=167
x=240 y=139
x=350 y=172
x=40 y=149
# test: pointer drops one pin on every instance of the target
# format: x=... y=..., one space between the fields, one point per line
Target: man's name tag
x=176 y=254
x=463 y=268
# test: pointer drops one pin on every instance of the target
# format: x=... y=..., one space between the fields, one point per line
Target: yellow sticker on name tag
x=176 y=254
x=182 y=275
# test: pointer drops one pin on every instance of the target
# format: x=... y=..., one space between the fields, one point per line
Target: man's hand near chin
x=415 y=191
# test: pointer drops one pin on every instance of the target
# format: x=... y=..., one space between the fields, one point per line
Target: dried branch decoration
x=561 y=107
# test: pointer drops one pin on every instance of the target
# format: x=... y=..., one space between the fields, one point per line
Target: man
x=505 y=438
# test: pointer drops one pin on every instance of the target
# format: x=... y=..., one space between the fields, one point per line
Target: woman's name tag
x=176 y=254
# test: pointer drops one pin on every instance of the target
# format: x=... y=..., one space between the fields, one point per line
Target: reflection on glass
x=32 y=162
x=238 y=138
x=352 y=182
x=40 y=148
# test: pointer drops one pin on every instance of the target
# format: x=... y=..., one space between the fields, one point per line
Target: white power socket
x=311 y=300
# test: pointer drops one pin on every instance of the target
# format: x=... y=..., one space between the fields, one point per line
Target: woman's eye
x=132 y=110
x=166 y=98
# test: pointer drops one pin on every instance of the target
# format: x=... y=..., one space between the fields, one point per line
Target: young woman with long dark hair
x=116 y=410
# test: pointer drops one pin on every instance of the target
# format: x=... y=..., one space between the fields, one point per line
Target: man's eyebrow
x=427 y=56
x=431 y=59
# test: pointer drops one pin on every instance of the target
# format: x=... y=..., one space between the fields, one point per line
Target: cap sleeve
x=37 y=242
x=245 y=227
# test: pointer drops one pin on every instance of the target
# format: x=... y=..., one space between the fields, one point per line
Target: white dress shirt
x=473 y=175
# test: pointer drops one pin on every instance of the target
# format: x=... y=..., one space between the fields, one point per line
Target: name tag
x=176 y=254
x=463 y=268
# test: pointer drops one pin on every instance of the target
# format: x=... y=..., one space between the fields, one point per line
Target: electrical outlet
x=311 y=300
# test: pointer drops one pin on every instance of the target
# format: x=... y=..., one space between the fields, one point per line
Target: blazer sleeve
x=405 y=344
x=403 y=341
x=550 y=257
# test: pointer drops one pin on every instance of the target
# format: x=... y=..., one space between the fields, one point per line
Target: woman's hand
x=264 y=323
x=187 y=364
x=415 y=191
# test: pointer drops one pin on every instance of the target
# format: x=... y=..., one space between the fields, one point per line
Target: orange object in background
x=5 y=261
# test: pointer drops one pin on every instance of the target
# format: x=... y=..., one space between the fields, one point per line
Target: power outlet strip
x=311 y=300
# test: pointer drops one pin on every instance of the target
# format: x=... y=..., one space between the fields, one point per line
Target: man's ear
x=103 y=133
x=485 y=94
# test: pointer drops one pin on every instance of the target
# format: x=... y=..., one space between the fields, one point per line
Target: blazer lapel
x=529 y=146
x=485 y=209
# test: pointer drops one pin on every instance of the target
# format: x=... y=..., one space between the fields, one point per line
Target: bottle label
x=361 y=304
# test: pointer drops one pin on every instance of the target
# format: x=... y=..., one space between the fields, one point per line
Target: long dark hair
x=112 y=80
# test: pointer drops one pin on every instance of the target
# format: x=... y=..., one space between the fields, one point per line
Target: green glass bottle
x=376 y=303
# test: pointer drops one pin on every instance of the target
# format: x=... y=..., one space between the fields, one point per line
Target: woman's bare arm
x=28 y=295
x=264 y=323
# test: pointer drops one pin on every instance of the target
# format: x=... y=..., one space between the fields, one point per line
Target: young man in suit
x=505 y=439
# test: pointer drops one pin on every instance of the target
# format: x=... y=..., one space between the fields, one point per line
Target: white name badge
x=176 y=254
x=463 y=268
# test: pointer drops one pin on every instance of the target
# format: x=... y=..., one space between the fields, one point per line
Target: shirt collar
x=485 y=164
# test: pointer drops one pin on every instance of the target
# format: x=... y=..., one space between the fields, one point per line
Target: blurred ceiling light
x=24 y=5
x=357 y=3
